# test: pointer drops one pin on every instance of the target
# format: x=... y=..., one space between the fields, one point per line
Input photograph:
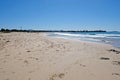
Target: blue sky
x=60 y=14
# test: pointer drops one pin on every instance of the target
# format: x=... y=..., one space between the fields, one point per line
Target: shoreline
x=35 y=56
x=85 y=39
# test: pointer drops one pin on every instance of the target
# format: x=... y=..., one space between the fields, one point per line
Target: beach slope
x=33 y=56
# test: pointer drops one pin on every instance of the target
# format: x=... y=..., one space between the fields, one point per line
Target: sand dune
x=33 y=56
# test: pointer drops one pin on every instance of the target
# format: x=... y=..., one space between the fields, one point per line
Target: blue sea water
x=112 y=37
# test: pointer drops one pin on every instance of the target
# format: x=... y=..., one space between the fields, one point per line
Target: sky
x=60 y=14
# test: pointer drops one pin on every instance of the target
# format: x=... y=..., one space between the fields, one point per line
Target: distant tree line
x=18 y=30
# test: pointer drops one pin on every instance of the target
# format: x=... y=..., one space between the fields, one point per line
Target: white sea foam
x=88 y=35
x=112 y=38
x=67 y=34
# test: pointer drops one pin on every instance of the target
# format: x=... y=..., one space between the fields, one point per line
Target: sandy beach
x=34 y=56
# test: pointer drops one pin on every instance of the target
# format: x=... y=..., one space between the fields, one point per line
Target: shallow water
x=112 y=38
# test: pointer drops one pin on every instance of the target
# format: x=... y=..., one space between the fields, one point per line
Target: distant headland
x=20 y=30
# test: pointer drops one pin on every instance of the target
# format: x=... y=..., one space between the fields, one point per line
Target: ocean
x=111 y=37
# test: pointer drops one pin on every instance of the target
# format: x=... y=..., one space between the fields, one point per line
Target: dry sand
x=32 y=56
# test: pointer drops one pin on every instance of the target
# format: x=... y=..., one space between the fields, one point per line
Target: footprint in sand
x=104 y=58
x=7 y=41
x=26 y=62
x=29 y=78
x=36 y=58
x=57 y=50
x=53 y=77
x=56 y=76
x=117 y=74
x=13 y=72
x=28 y=51
x=82 y=65
x=61 y=75
x=116 y=63
x=33 y=58
x=113 y=50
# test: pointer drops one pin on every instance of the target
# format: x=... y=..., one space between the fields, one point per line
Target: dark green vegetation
x=18 y=30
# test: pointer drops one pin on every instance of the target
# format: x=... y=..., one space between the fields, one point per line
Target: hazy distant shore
x=20 y=30
x=33 y=56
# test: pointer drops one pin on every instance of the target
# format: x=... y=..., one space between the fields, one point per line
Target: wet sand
x=33 y=56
